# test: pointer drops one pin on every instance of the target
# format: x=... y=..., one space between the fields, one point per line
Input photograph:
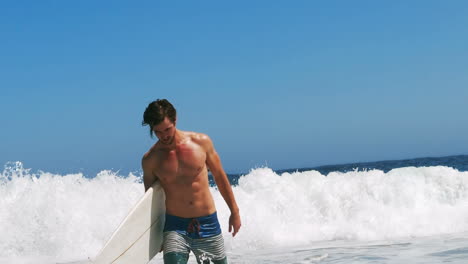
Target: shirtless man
x=180 y=161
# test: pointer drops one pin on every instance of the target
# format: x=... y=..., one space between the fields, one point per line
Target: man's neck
x=179 y=138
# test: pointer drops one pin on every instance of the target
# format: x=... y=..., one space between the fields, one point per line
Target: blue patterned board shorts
x=201 y=235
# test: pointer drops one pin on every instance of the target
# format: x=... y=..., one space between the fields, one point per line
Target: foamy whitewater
x=404 y=215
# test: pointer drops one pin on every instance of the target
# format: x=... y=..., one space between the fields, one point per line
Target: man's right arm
x=148 y=177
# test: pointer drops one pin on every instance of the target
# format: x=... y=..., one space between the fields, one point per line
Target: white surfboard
x=139 y=237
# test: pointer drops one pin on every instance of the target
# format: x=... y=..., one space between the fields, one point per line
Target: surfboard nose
x=140 y=235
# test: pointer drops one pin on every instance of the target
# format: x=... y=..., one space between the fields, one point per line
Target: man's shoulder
x=199 y=138
x=150 y=155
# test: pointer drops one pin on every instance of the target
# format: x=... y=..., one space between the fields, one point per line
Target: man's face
x=165 y=131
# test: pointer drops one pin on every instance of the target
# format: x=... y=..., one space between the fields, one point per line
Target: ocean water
x=413 y=211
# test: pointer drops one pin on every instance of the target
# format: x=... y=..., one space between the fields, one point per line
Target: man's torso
x=182 y=172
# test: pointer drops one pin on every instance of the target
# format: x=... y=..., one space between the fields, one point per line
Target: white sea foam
x=44 y=214
x=71 y=216
x=300 y=208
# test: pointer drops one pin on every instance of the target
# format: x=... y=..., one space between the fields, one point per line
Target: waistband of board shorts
x=198 y=227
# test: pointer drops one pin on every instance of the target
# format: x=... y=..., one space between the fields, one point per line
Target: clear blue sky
x=285 y=84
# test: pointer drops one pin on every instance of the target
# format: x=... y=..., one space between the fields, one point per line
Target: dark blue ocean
x=403 y=211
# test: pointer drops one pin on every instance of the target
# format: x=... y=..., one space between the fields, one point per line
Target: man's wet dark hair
x=156 y=112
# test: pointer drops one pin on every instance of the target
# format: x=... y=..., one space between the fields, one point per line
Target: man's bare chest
x=180 y=164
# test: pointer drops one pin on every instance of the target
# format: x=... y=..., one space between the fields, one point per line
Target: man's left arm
x=214 y=164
